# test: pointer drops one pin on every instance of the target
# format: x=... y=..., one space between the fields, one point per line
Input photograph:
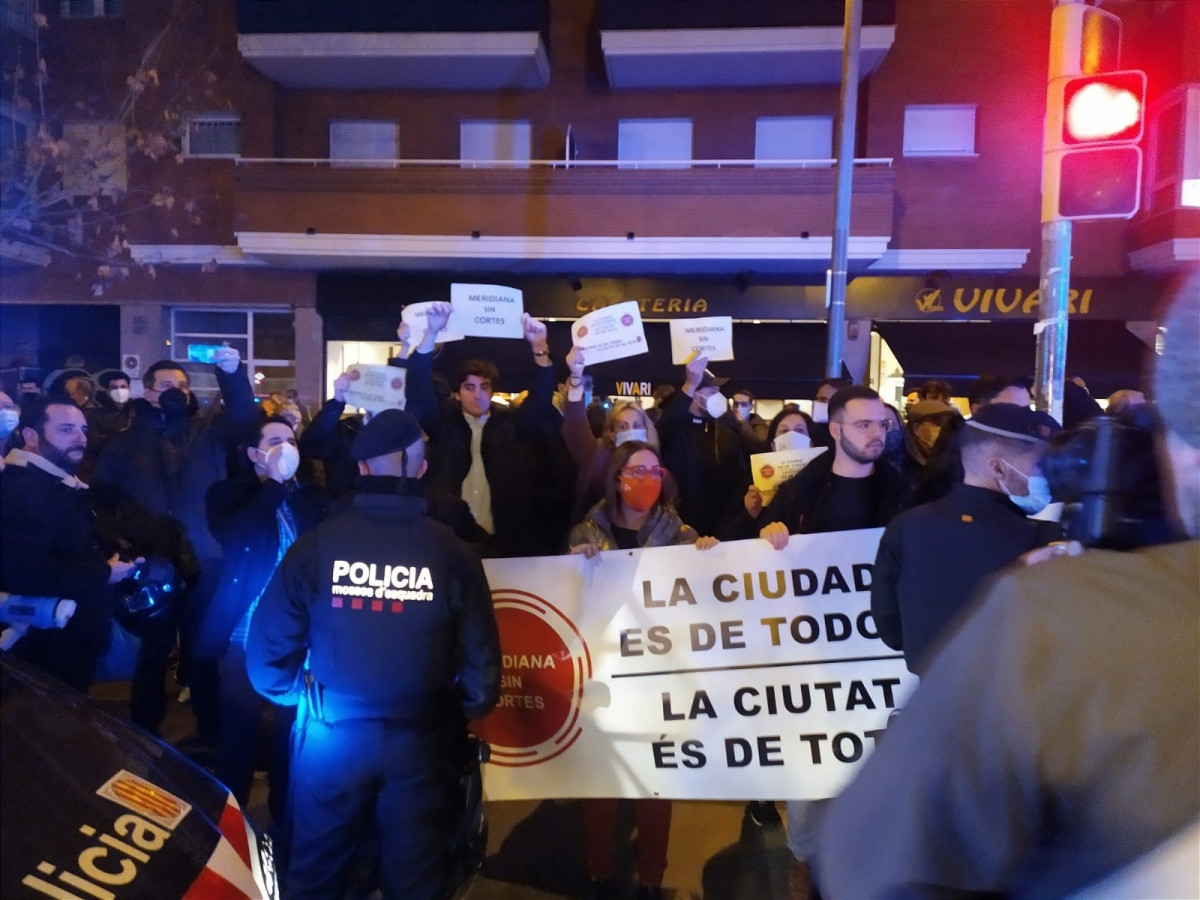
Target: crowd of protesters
x=98 y=484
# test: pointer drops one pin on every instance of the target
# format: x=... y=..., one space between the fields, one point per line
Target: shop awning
x=1105 y=354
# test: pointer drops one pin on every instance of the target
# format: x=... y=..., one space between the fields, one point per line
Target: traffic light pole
x=1055 y=266
x=847 y=119
x=1053 y=289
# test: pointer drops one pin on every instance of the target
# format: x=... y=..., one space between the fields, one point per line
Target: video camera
x=1106 y=473
x=145 y=601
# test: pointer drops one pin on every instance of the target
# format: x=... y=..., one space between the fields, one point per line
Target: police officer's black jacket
x=933 y=558
x=391 y=608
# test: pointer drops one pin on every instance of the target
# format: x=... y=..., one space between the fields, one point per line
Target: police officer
x=392 y=613
x=933 y=557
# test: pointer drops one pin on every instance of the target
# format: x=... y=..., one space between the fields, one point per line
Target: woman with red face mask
x=637 y=511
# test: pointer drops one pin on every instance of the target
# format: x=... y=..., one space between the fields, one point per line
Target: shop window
x=654 y=143
x=266 y=339
x=494 y=140
x=212 y=135
x=793 y=137
x=1173 y=151
x=939 y=130
x=356 y=140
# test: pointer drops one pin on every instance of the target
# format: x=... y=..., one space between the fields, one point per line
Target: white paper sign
x=486 y=310
x=613 y=332
x=735 y=672
x=376 y=388
x=772 y=469
x=414 y=315
x=711 y=336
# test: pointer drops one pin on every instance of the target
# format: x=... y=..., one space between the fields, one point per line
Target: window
x=215 y=135
x=642 y=143
x=485 y=140
x=362 y=139
x=90 y=9
x=266 y=339
x=1173 y=151
x=945 y=130
x=96 y=164
x=793 y=137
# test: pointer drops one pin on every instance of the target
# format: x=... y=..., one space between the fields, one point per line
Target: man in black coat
x=847 y=489
x=482 y=453
x=704 y=448
x=933 y=557
x=154 y=477
x=48 y=546
x=379 y=624
x=256 y=516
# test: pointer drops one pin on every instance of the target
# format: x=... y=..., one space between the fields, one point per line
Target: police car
x=95 y=809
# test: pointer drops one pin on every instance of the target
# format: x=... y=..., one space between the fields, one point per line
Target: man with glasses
x=844 y=490
x=847 y=489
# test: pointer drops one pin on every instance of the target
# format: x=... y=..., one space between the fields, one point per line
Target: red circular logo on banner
x=767 y=470
x=544 y=665
x=355 y=374
x=581 y=331
x=397 y=384
x=627 y=320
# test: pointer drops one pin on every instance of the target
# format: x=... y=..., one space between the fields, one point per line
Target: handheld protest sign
x=376 y=388
x=486 y=310
x=711 y=336
x=415 y=314
x=613 y=332
x=772 y=469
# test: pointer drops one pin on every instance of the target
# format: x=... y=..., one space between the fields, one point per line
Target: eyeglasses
x=655 y=472
x=863 y=426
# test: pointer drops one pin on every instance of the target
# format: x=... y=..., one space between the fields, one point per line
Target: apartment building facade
x=352 y=158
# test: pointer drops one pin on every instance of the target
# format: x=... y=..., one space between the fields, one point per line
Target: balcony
x=709 y=43
x=397 y=45
x=589 y=217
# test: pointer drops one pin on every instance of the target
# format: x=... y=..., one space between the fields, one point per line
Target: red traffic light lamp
x=1104 y=108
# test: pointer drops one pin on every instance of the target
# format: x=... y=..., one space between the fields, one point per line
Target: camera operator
x=48 y=545
x=1056 y=736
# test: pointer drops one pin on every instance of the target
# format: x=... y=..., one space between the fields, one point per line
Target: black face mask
x=174 y=403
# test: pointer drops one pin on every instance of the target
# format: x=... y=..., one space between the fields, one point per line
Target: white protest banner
x=375 y=388
x=414 y=316
x=723 y=674
x=613 y=332
x=711 y=337
x=772 y=469
x=486 y=310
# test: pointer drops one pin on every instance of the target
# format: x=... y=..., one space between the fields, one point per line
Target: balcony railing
x=558 y=197
x=645 y=164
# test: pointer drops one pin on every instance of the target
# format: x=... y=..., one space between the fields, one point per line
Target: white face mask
x=119 y=396
x=820 y=411
x=288 y=460
x=717 y=405
x=631 y=434
x=792 y=440
x=8 y=421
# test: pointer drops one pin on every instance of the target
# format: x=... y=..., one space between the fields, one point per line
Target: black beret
x=1013 y=421
x=389 y=431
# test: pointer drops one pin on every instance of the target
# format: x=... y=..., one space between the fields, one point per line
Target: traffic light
x=1095 y=166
